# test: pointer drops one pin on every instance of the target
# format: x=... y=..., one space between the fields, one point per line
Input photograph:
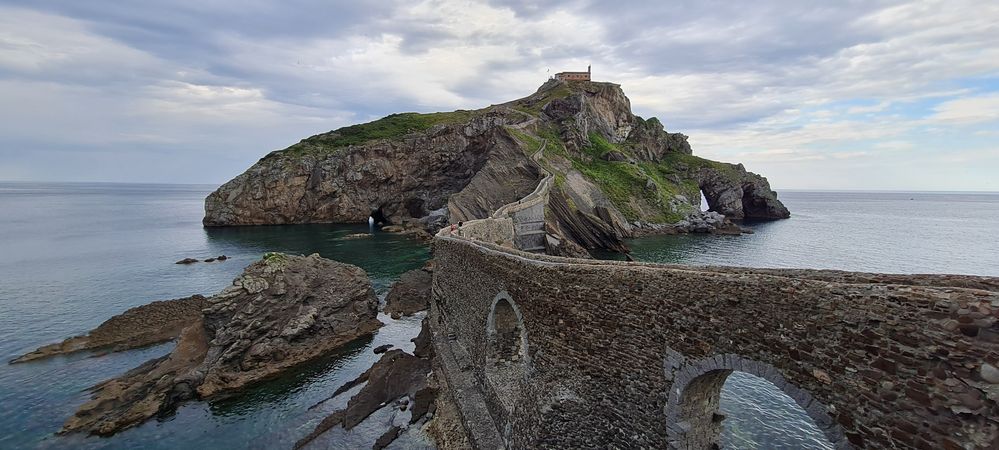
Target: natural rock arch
x=507 y=358
x=692 y=416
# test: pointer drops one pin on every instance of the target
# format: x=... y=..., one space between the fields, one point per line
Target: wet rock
x=424 y=340
x=382 y=348
x=411 y=293
x=282 y=311
x=422 y=403
x=210 y=260
x=396 y=374
x=187 y=261
x=221 y=257
x=386 y=438
x=142 y=392
x=156 y=322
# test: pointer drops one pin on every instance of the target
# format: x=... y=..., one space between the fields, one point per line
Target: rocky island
x=615 y=175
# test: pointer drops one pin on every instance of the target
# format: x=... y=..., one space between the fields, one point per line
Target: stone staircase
x=528 y=213
x=529 y=228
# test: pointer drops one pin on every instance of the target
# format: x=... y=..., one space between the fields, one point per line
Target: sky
x=876 y=95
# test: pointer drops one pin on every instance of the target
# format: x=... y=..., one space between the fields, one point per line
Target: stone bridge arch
x=507 y=360
x=692 y=407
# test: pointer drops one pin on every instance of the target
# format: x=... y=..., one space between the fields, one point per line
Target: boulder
x=410 y=294
x=282 y=311
x=614 y=156
x=187 y=261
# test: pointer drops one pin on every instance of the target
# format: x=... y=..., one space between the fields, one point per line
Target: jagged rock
x=283 y=310
x=155 y=387
x=396 y=374
x=411 y=293
x=423 y=341
x=156 y=322
x=614 y=156
x=385 y=439
x=739 y=194
x=652 y=141
x=588 y=230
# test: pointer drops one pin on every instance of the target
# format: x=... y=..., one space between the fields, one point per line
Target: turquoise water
x=75 y=254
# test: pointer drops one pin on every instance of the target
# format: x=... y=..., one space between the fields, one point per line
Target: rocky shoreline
x=282 y=311
x=141 y=326
x=707 y=222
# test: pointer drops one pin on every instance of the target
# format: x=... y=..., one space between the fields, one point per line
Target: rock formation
x=611 y=167
x=342 y=177
x=283 y=310
x=395 y=375
x=410 y=294
x=154 y=323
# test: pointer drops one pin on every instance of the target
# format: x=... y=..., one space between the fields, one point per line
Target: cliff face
x=613 y=170
x=328 y=178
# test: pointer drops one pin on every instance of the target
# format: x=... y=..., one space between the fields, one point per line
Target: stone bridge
x=547 y=352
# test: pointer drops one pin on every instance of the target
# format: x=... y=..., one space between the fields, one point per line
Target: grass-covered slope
x=391 y=127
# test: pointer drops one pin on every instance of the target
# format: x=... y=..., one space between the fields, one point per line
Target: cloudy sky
x=814 y=95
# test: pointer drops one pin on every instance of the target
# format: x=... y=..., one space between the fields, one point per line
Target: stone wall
x=631 y=355
x=494 y=231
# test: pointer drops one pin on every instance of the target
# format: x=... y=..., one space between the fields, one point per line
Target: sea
x=74 y=254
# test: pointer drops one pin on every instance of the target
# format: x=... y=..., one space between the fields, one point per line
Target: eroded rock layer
x=282 y=311
x=149 y=324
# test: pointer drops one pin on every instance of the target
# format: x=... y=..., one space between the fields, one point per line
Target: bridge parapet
x=630 y=354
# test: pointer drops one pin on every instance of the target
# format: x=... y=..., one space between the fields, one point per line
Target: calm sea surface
x=73 y=255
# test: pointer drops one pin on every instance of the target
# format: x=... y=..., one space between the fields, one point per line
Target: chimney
x=588 y=69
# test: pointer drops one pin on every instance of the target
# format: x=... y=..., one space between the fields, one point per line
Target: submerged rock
x=410 y=294
x=282 y=311
x=157 y=322
x=187 y=261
